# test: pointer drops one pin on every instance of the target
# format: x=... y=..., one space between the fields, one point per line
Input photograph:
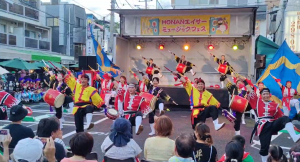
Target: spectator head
x=295 y=154
x=121 y=132
x=276 y=154
x=163 y=126
x=28 y=149
x=184 y=145
x=234 y=152
x=240 y=139
x=82 y=144
x=48 y=127
x=202 y=132
x=17 y=113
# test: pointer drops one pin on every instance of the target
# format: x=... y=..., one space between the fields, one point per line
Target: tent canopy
x=264 y=46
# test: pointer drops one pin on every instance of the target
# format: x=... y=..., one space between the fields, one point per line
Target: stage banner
x=186 y=25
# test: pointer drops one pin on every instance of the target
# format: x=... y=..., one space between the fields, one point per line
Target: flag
x=285 y=66
x=104 y=64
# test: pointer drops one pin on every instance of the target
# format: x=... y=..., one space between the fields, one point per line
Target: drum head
x=113 y=112
x=59 y=101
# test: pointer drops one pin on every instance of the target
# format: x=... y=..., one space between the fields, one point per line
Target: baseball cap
x=17 y=113
x=28 y=149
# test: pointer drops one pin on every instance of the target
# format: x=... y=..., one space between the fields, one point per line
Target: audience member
x=276 y=154
x=16 y=129
x=31 y=150
x=161 y=147
x=246 y=157
x=5 y=143
x=233 y=152
x=295 y=153
x=49 y=127
x=204 y=149
x=119 y=145
x=184 y=147
x=81 y=145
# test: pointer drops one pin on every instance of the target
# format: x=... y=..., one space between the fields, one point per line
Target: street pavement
x=181 y=121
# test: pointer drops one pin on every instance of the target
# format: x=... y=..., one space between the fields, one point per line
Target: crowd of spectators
x=22 y=145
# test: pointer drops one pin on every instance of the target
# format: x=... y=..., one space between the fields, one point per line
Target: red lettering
x=187 y=29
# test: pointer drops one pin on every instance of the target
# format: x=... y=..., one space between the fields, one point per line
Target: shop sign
x=292 y=30
x=186 y=25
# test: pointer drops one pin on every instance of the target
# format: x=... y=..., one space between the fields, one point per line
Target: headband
x=131 y=85
x=265 y=90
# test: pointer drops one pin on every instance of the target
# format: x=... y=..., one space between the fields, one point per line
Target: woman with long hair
x=204 y=149
x=276 y=154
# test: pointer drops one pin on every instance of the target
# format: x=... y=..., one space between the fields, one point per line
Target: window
x=30 y=34
x=79 y=22
x=2 y=28
x=52 y=21
x=208 y=2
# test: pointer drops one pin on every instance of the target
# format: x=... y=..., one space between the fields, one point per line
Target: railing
x=19 y=9
x=37 y=44
x=8 y=39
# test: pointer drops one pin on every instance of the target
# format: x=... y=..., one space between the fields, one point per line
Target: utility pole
x=103 y=28
x=112 y=24
x=145 y=4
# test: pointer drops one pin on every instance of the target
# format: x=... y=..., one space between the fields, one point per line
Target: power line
x=129 y=4
x=88 y=9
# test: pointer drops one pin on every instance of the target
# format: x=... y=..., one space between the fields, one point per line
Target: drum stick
x=53 y=65
x=91 y=68
x=168 y=69
x=135 y=67
x=45 y=63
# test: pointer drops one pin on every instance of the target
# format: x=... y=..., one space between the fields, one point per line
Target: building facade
x=68 y=24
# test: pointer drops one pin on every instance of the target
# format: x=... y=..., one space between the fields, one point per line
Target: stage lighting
x=138 y=47
x=186 y=47
x=235 y=47
x=161 y=46
x=210 y=47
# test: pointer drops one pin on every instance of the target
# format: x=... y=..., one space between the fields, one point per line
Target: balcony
x=8 y=39
x=37 y=44
x=19 y=10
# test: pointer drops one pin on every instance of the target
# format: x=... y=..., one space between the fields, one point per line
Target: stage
x=180 y=96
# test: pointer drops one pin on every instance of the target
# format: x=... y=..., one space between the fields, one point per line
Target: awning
x=264 y=46
x=7 y=52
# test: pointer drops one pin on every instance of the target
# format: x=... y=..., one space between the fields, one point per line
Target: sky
x=100 y=7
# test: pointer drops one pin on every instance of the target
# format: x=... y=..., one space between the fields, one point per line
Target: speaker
x=260 y=61
x=86 y=61
x=92 y=62
x=83 y=63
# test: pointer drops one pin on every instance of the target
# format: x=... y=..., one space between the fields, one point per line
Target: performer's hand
x=175 y=103
x=144 y=58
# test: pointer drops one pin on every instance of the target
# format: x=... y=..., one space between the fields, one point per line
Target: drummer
x=133 y=108
x=189 y=65
x=107 y=85
x=204 y=103
x=156 y=91
x=86 y=98
x=288 y=99
x=150 y=64
x=238 y=89
x=121 y=87
x=62 y=87
x=222 y=61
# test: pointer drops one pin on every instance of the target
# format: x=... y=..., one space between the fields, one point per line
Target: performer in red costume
x=288 y=100
x=121 y=88
x=133 y=108
x=143 y=84
x=107 y=85
x=270 y=120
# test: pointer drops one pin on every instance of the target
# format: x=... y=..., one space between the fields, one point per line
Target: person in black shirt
x=204 y=150
x=16 y=130
x=189 y=65
x=156 y=91
x=222 y=61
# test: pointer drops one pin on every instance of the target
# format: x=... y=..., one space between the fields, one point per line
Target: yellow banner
x=186 y=25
